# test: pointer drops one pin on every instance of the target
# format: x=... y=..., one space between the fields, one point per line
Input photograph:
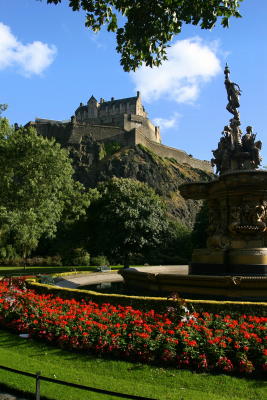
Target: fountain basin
x=197 y=286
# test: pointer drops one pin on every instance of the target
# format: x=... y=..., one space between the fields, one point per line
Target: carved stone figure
x=233 y=92
x=248 y=139
x=235 y=152
x=253 y=148
x=236 y=132
x=214 y=219
x=223 y=153
x=235 y=216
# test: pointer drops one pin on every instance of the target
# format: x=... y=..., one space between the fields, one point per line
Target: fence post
x=37 y=386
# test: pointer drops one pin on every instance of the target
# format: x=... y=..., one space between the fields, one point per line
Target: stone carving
x=233 y=92
x=235 y=217
x=252 y=147
x=222 y=155
x=218 y=242
x=235 y=151
x=249 y=218
x=216 y=229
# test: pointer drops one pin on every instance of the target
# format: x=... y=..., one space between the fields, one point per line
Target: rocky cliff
x=96 y=162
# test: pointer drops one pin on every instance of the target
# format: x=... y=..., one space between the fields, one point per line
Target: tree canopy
x=36 y=188
x=147 y=27
x=126 y=218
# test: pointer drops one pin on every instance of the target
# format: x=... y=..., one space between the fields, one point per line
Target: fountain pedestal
x=237 y=230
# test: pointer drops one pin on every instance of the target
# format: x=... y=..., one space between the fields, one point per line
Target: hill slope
x=93 y=164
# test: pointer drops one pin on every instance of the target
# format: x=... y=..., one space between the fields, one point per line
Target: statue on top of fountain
x=235 y=151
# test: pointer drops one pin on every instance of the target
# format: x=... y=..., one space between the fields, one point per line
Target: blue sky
x=49 y=63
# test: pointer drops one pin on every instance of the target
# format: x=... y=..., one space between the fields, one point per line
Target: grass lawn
x=143 y=380
x=45 y=270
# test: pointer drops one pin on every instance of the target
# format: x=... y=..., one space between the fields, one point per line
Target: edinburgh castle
x=122 y=121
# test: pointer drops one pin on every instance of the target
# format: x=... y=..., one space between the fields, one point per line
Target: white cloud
x=165 y=123
x=191 y=62
x=95 y=37
x=32 y=58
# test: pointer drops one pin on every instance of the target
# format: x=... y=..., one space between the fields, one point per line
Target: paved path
x=74 y=281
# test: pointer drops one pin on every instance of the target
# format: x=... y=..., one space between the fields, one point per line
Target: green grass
x=125 y=377
x=45 y=270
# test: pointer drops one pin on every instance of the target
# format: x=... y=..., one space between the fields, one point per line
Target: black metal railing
x=38 y=378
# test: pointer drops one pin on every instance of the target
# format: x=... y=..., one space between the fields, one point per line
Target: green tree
x=36 y=188
x=5 y=128
x=149 y=25
x=176 y=246
x=127 y=218
x=72 y=230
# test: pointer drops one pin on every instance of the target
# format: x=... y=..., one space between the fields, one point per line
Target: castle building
x=126 y=113
x=123 y=121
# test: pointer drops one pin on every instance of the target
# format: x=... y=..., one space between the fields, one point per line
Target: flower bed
x=207 y=342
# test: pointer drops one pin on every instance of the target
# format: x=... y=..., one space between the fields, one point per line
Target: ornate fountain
x=234 y=263
x=237 y=202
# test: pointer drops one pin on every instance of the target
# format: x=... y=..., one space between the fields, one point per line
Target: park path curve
x=74 y=281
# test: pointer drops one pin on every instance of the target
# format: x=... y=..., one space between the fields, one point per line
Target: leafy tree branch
x=150 y=25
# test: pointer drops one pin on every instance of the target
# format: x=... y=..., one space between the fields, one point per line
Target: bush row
x=156 y=303
x=77 y=257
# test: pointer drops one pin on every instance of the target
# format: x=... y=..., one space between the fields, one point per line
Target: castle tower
x=92 y=105
x=140 y=110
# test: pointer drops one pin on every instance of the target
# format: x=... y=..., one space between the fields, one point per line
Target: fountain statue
x=235 y=152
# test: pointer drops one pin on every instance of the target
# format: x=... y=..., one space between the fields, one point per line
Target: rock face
x=93 y=163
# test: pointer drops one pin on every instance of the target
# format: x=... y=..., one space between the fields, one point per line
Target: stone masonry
x=123 y=121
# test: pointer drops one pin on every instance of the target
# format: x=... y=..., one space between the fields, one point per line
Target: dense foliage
x=42 y=209
x=36 y=189
x=126 y=218
x=148 y=26
x=182 y=339
x=175 y=247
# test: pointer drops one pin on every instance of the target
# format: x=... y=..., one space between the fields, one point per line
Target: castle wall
x=169 y=152
x=60 y=131
x=98 y=132
x=136 y=133
x=142 y=124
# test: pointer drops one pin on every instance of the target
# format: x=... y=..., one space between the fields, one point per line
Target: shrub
x=17 y=261
x=112 y=147
x=33 y=261
x=99 y=260
x=76 y=257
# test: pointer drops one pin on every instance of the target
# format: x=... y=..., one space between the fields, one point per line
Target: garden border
x=148 y=303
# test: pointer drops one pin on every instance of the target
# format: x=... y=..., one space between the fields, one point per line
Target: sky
x=50 y=62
